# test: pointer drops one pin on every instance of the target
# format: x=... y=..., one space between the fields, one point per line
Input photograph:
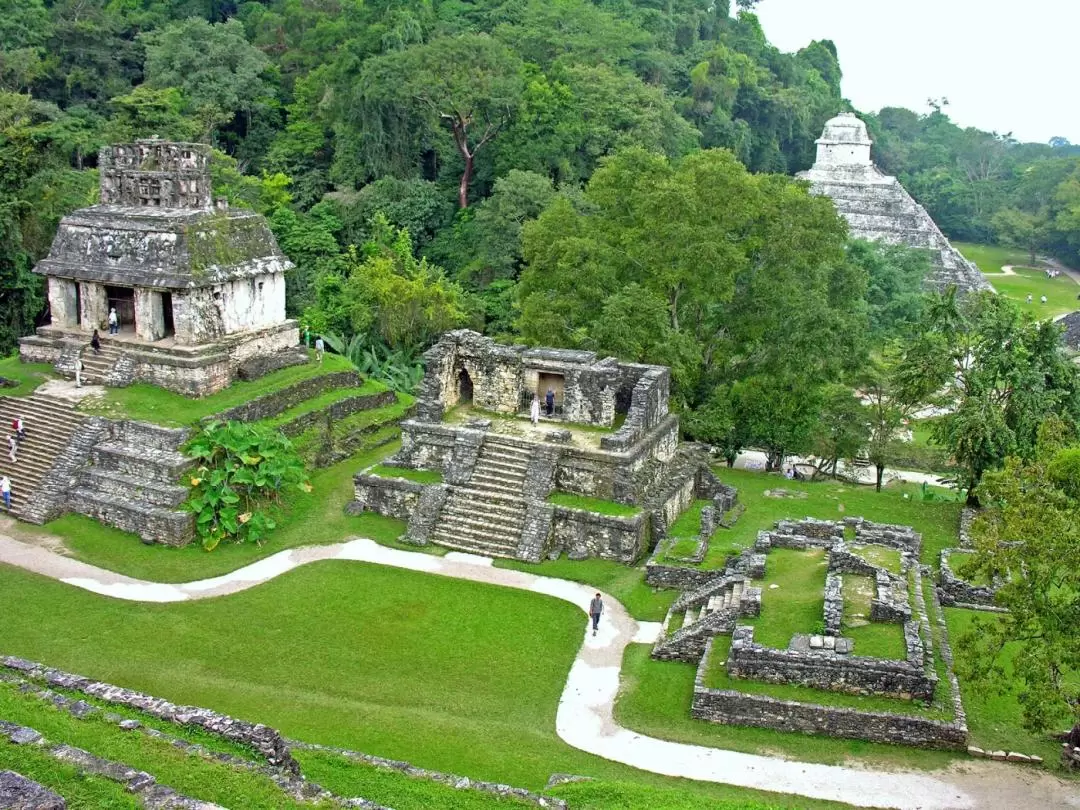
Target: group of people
x=549 y=406
x=1042 y=300
x=18 y=433
x=1051 y=273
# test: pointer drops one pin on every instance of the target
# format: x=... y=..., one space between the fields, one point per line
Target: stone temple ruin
x=611 y=443
x=713 y=623
x=199 y=289
x=877 y=207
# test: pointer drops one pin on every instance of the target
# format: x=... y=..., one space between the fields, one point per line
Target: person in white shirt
x=5 y=490
x=534 y=410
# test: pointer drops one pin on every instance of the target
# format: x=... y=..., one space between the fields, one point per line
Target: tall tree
x=468 y=86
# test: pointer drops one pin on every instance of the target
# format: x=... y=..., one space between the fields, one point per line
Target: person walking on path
x=534 y=410
x=596 y=607
x=13 y=445
x=320 y=347
x=549 y=401
x=95 y=342
x=5 y=490
x=114 y=322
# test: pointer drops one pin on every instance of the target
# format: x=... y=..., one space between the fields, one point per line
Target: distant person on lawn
x=5 y=490
x=534 y=410
x=320 y=347
x=596 y=607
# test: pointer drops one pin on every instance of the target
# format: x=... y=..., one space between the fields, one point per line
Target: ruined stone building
x=198 y=288
x=611 y=438
x=877 y=207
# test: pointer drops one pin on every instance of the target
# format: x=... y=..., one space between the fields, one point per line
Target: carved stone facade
x=196 y=289
x=877 y=207
x=494 y=495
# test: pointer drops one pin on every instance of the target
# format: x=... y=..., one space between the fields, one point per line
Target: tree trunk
x=466 y=176
x=972 y=499
x=880 y=475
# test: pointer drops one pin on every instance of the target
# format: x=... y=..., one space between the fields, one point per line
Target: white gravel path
x=585 y=717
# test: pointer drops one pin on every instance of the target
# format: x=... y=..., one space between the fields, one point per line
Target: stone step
x=503 y=523
x=480 y=480
x=141 y=489
x=469 y=508
x=480 y=528
x=165 y=466
x=484 y=494
x=469 y=534
x=498 y=463
x=509 y=453
x=150 y=522
x=477 y=546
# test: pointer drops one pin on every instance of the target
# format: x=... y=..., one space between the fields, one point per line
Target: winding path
x=585 y=717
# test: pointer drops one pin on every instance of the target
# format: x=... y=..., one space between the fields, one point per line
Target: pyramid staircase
x=487 y=514
x=96 y=367
x=708 y=611
x=49 y=424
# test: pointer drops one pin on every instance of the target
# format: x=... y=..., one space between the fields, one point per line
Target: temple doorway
x=122 y=299
x=555 y=383
x=166 y=314
x=465 y=388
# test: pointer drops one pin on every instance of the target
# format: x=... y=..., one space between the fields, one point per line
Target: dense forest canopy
x=465 y=129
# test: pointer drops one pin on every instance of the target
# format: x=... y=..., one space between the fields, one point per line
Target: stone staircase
x=96 y=367
x=49 y=424
x=487 y=514
x=710 y=611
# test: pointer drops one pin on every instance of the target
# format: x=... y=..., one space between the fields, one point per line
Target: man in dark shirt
x=549 y=401
x=596 y=607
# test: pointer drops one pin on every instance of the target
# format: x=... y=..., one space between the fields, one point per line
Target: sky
x=1003 y=65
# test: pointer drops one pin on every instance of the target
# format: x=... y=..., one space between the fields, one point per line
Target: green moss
x=598 y=505
x=419 y=476
x=688 y=523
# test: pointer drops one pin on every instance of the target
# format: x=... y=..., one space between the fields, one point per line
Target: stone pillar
x=149 y=315
x=94 y=306
x=183 y=324
x=63 y=301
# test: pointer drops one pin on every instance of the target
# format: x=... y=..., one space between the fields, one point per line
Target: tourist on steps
x=13 y=445
x=78 y=371
x=114 y=322
x=534 y=410
x=95 y=342
x=19 y=426
x=549 y=400
x=596 y=607
x=5 y=490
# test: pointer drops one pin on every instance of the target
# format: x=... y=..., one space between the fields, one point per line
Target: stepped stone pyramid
x=877 y=207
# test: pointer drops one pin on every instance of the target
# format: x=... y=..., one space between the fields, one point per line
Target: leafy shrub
x=242 y=471
x=399 y=369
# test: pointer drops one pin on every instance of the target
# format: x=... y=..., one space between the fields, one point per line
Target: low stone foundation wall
x=826 y=669
x=952 y=590
x=338 y=410
x=741 y=709
x=272 y=404
x=587 y=534
x=678 y=577
x=392 y=497
x=263 y=739
x=903 y=538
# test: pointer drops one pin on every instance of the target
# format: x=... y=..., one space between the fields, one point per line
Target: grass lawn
x=1061 y=292
x=991 y=258
x=881 y=556
x=451 y=675
x=28 y=375
x=717 y=678
x=688 y=523
x=797 y=605
x=875 y=639
x=311 y=518
x=830 y=500
x=409 y=474
x=655 y=700
x=153 y=404
x=195 y=777
x=623 y=582
x=598 y=505
x=993 y=716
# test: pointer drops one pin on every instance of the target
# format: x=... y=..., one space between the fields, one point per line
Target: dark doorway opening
x=78 y=303
x=465 y=388
x=166 y=314
x=122 y=299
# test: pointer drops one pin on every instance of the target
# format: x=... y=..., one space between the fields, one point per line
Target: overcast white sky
x=1004 y=65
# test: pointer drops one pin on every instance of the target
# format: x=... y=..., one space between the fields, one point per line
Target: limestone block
x=94 y=306
x=63 y=301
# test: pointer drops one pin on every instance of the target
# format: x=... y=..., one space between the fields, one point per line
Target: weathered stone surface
x=279 y=401
x=877 y=207
x=260 y=365
x=957 y=591
x=19 y=793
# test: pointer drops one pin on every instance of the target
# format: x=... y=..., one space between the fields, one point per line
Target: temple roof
x=846 y=128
